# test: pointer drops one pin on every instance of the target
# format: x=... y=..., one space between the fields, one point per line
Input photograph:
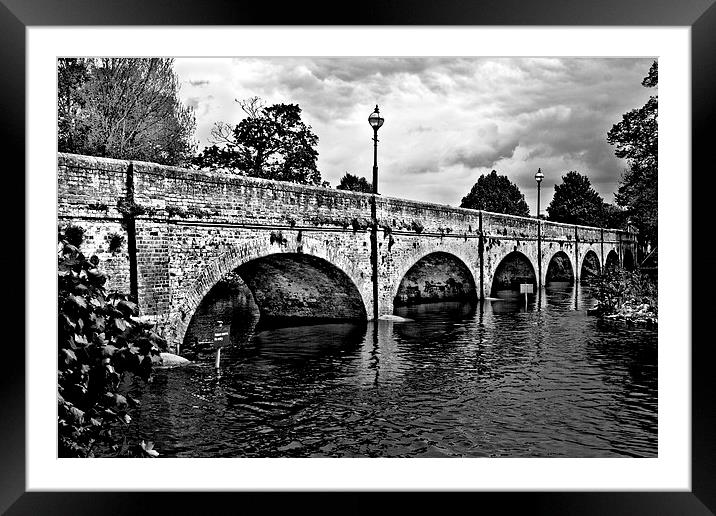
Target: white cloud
x=448 y=120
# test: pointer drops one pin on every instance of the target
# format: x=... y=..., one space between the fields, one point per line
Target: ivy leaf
x=127 y=308
x=69 y=356
x=148 y=449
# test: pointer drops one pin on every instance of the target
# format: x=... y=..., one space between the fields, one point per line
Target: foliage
x=496 y=193
x=73 y=234
x=271 y=143
x=116 y=241
x=123 y=108
x=636 y=139
x=355 y=184
x=101 y=339
x=622 y=291
x=613 y=216
x=575 y=201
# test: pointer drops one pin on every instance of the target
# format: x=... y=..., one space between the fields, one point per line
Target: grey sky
x=447 y=120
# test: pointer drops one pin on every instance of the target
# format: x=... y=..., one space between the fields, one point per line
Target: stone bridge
x=168 y=235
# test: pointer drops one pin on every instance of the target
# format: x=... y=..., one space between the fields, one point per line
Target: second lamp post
x=539 y=176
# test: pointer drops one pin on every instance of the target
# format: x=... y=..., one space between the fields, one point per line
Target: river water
x=492 y=379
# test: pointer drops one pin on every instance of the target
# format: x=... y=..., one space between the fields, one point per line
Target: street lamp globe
x=539 y=176
x=375 y=120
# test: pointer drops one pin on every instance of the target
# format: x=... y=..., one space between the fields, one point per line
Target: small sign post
x=221 y=338
x=526 y=288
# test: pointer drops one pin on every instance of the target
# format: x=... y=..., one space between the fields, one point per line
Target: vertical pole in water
x=481 y=250
x=218 y=358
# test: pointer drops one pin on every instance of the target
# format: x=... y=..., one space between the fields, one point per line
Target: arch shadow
x=591 y=269
x=559 y=269
x=512 y=271
x=438 y=276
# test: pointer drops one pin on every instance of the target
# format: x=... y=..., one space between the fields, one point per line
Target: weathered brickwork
x=193 y=227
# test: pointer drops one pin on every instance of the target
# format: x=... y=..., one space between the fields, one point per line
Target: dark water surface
x=485 y=380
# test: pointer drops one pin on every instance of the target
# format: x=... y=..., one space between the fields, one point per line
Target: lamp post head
x=539 y=176
x=375 y=120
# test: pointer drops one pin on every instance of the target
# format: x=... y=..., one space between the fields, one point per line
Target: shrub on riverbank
x=627 y=295
x=100 y=339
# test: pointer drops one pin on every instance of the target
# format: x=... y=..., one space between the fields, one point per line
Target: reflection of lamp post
x=375 y=121
x=539 y=176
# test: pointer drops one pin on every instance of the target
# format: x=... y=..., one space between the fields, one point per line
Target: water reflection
x=462 y=379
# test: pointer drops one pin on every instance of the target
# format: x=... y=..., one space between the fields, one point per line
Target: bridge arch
x=612 y=261
x=514 y=269
x=591 y=268
x=311 y=275
x=559 y=268
x=436 y=276
x=628 y=259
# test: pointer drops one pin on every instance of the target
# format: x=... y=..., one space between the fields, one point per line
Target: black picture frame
x=700 y=15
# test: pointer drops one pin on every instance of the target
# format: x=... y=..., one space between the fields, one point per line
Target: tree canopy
x=355 y=183
x=270 y=142
x=123 y=108
x=496 y=193
x=576 y=202
x=635 y=139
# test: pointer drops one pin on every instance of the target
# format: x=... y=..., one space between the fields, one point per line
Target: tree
x=271 y=142
x=355 y=183
x=123 y=108
x=498 y=194
x=72 y=74
x=613 y=216
x=575 y=201
x=636 y=139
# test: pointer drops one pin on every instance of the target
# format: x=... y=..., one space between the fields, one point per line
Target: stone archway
x=591 y=268
x=559 y=269
x=512 y=271
x=628 y=258
x=437 y=276
x=612 y=261
x=283 y=263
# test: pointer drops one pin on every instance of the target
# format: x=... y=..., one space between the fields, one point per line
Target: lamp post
x=539 y=176
x=375 y=121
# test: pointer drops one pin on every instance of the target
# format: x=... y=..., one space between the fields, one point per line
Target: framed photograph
x=412 y=249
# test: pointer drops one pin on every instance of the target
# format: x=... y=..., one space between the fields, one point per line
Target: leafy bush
x=621 y=290
x=101 y=339
x=116 y=241
x=74 y=235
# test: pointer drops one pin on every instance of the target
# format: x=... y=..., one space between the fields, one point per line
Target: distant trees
x=635 y=138
x=576 y=202
x=355 y=183
x=270 y=142
x=496 y=193
x=124 y=108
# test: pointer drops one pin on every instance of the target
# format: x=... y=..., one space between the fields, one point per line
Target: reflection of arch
x=612 y=261
x=256 y=249
x=590 y=267
x=559 y=268
x=513 y=270
x=628 y=260
x=437 y=276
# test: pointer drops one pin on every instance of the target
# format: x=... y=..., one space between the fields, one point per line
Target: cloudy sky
x=447 y=120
